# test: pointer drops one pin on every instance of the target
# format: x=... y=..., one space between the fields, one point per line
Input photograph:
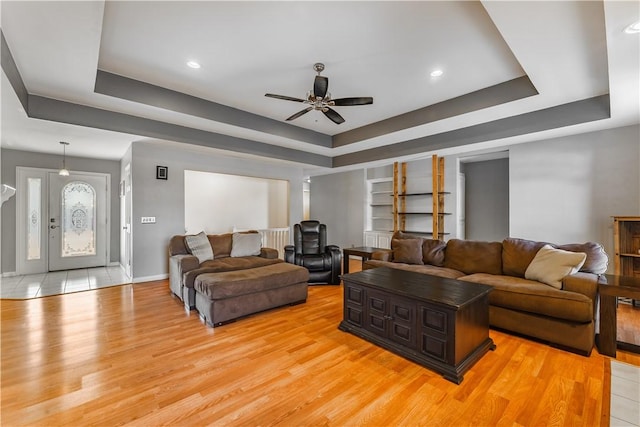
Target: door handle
x=53 y=227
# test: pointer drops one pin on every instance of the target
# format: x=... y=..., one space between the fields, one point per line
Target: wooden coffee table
x=442 y=324
x=610 y=288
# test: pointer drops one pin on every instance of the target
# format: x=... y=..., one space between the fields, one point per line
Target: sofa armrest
x=178 y=266
x=336 y=263
x=269 y=253
x=383 y=255
x=582 y=283
x=290 y=254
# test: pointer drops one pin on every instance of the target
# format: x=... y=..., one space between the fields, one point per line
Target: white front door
x=77 y=222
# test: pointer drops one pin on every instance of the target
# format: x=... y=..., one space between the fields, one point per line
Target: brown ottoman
x=224 y=296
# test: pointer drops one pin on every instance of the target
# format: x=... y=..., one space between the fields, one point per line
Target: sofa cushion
x=226 y=264
x=408 y=251
x=221 y=244
x=199 y=246
x=316 y=262
x=241 y=282
x=424 y=269
x=517 y=254
x=474 y=257
x=597 y=259
x=433 y=252
x=551 y=265
x=245 y=244
x=534 y=297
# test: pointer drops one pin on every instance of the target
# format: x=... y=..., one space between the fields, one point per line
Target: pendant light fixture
x=64 y=171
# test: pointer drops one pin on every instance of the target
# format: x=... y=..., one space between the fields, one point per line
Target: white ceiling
x=569 y=50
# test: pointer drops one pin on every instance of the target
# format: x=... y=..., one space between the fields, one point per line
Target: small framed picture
x=162 y=172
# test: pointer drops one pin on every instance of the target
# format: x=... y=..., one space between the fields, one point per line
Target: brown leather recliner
x=311 y=251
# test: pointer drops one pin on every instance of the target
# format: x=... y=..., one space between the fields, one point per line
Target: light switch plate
x=148 y=219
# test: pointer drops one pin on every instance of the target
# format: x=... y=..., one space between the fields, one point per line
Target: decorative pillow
x=246 y=244
x=517 y=254
x=551 y=265
x=433 y=252
x=199 y=246
x=597 y=259
x=408 y=251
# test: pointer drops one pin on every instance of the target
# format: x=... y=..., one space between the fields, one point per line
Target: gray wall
x=487 y=200
x=165 y=199
x=13 y=158
x=561 y=190
x=567 y=189
x=338 y=200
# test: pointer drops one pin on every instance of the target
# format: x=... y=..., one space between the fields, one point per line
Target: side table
x=611 y=287
x=363 y=252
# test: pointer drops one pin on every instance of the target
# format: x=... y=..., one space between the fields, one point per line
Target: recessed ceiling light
x=633 y=28
x=437 y=73
x=193 y=64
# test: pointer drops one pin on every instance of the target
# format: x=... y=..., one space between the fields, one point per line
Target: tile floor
x=61 y=282
x=625 y=394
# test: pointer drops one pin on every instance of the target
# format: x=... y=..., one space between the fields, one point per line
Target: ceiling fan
x=319 y=99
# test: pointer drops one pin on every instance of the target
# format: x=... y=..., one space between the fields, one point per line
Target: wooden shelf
x=380 y=204
x=630 y=255
x=626 y=237
x=436 y=205
x=423 y=213
x=424 y=232
x=441 y=193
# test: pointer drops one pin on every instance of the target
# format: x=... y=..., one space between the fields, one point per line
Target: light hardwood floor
x=131 y=354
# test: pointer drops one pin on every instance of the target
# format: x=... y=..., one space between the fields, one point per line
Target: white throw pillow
x=199 y=246
x=551 y=265
x=246 y=244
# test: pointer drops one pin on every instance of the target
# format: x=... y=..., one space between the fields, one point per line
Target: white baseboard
x=9 y=274
x=114 y=264
x=150 y=278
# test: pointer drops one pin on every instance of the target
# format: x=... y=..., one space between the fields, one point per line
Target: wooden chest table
x=442 y=324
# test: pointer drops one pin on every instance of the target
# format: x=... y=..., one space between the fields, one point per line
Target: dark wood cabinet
x=440 y=323
x=390 y=317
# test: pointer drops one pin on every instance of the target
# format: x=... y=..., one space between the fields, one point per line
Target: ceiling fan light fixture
x=319 y=99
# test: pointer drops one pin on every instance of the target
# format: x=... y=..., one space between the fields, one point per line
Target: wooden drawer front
x=434 y=347
x=354 y=315
x=403 y=322
x=355 y=295
x=434 y=320
x=377 y=304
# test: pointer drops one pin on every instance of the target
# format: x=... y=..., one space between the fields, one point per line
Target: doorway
x=62 y=221
x=486 y=196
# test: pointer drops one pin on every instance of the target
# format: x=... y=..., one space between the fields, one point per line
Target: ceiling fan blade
x=320 y=86
x=286 y=98
x=333 y=116
x=300 y=113
x=343 y=102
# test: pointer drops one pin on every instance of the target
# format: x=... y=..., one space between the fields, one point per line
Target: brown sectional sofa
x=227 y=287
x=564 y=317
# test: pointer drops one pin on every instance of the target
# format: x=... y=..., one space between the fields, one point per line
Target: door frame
x=23 y=266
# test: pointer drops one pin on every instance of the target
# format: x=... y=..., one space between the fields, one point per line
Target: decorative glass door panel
x=34 y=215
x=77 y=223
